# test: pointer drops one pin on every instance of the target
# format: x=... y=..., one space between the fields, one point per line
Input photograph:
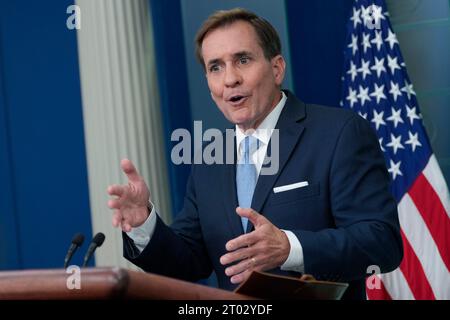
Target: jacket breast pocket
x=295 y=194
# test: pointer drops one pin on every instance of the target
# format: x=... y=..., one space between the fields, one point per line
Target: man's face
x=243 y=83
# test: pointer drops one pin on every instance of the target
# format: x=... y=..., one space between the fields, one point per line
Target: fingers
x=237 y=255
x=120 y=191
x=114 y=203
x=130 y=170
x=116 y=190
x=240 y=267
x=241 y=276
x=117 y=218
x=255 y=218
x=126 y=227
x=242 y=241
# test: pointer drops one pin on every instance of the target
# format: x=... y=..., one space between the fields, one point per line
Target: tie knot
x=249 y=145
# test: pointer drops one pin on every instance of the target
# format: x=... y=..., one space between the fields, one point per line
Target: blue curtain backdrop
x=44 y=190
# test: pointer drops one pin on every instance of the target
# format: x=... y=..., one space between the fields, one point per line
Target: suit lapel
x=290 y=131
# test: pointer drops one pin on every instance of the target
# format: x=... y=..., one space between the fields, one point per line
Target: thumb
x=254 y=217
x=130 y=170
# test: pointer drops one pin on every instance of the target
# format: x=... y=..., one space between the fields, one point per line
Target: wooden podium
x=104 y=283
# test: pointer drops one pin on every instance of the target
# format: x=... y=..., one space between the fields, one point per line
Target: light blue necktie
x=246 y=175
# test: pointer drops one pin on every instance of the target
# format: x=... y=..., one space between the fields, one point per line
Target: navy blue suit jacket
x=345 y=219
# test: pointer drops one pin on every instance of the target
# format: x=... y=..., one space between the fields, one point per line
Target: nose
x=233 y=77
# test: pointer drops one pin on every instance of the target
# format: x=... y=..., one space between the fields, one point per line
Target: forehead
x=227 y=40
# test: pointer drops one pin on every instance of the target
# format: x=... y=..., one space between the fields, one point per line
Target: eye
x=214 y=68
x=244 y=60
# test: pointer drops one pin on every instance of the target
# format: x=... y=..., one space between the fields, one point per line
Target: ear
x=278 y=68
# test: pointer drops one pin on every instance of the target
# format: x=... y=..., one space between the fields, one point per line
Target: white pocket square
x=290 y=186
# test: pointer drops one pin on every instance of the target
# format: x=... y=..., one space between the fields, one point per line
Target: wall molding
x=121 y=109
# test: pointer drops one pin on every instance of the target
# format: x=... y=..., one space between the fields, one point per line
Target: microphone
x=77 y=241
x=97 y=241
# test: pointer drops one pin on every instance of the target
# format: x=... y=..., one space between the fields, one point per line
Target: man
x=326 y=211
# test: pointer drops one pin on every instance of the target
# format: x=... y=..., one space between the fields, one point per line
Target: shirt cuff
x=141 y=235
x=294 y=261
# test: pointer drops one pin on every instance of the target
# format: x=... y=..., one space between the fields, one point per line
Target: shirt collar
x=264 y=130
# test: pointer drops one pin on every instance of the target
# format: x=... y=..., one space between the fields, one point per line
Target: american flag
x=377 y=87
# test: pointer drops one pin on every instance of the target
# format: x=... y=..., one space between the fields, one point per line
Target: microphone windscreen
x=98 y=239
x=78 y=239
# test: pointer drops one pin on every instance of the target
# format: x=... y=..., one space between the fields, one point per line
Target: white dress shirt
x=142 y=234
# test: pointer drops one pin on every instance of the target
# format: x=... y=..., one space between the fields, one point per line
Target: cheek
x=261 y=79
x=215 y=87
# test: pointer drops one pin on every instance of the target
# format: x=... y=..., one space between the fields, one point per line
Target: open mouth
x=238 y=99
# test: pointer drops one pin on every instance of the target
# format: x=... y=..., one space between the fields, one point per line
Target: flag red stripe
x=433 y=213
x=414 y=274
x=378 y=294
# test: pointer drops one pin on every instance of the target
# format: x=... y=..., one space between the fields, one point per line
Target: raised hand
x=130 y=202
x=265 y=248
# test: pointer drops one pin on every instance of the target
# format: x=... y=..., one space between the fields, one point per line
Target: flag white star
x=411 y=114
x=377 y=14
x=365 y=15
x=392 y=39
x=354 y=44
x=352 y=96
x=395 y=169
x=378 y=66
x=408 y=88
x=355 y=17
x=363 y=115
x=378 y=92
x=368 y=18
x=381 y=144
x=395 y=143
x=364 y=69
x=413 y=140
x=378 y=40
x=352 y=71
x=378 y=119
x=393 y=64
x=395 y=90
x=365 y=42
x=363 y=94
x=396 y=117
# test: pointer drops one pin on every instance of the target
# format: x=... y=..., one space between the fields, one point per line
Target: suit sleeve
x=177 y=251
x=367 y=230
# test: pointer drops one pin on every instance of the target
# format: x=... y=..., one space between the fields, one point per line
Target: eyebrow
x=241 y=54
x=236 y=55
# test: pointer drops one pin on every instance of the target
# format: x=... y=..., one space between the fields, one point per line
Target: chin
x=240 y=116
x=240 y=120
